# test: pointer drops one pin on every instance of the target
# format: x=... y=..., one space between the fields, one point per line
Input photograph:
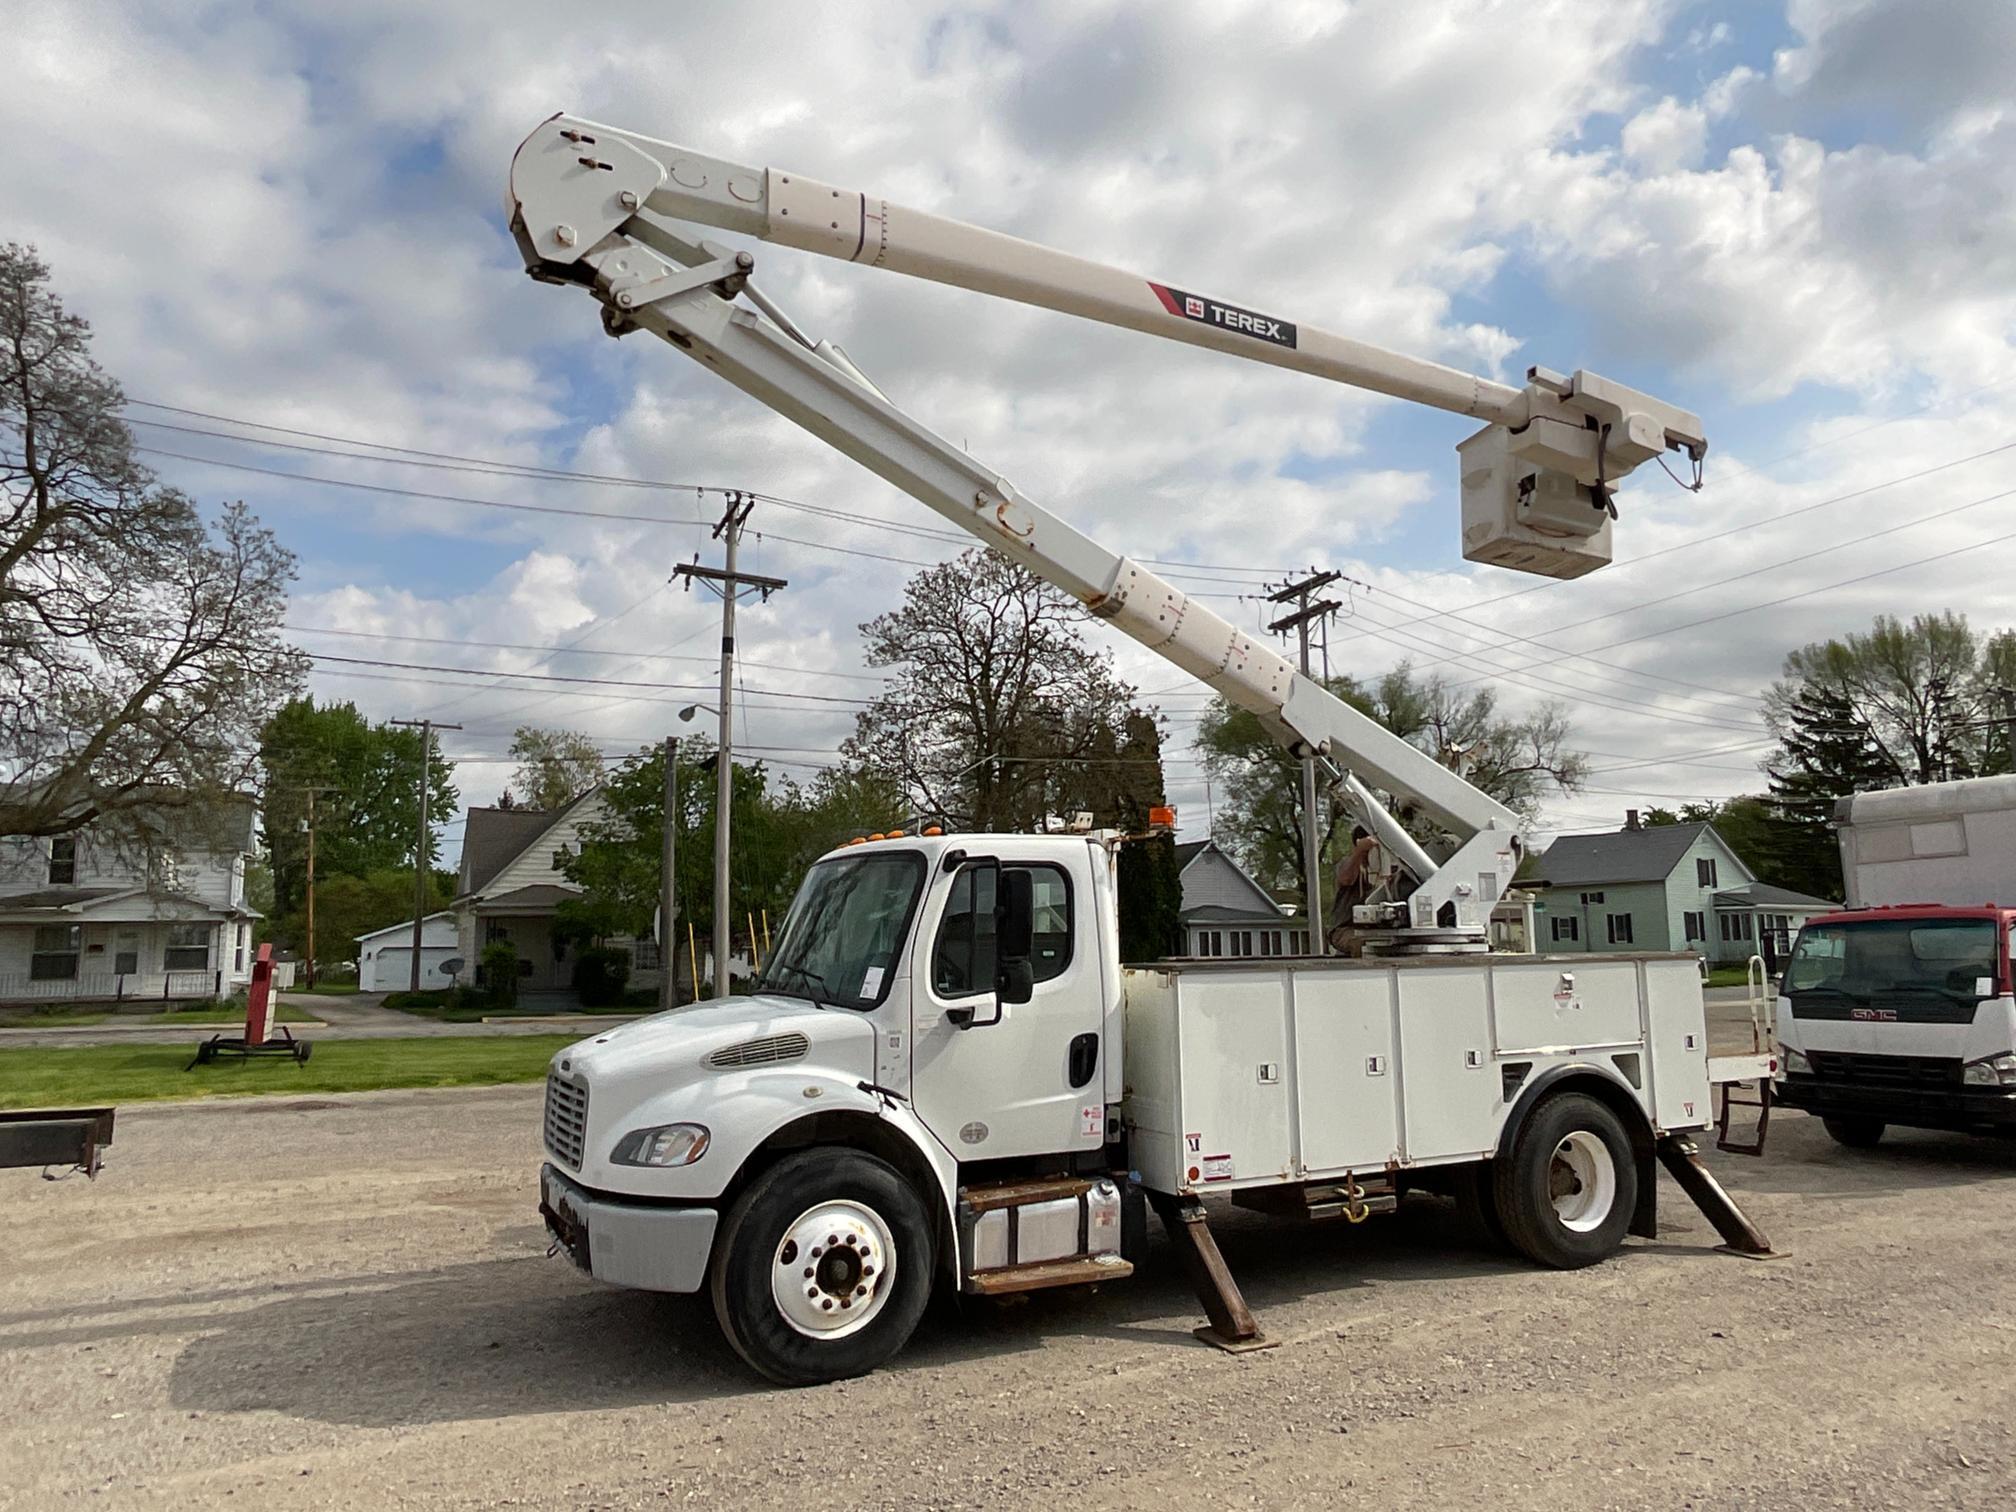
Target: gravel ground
x=345 y=1302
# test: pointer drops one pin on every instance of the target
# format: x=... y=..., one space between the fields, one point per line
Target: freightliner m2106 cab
x=1899 y=1008
x=946 y=1076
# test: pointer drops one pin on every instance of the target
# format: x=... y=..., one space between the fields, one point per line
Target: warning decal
x=1226 y=317
x=1217 y=1167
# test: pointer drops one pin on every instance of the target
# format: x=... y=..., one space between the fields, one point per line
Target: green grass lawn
x=1728 y=976
x=96 y=1075
x=61 y=1015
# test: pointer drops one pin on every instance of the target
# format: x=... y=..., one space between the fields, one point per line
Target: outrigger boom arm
x=1536 y=479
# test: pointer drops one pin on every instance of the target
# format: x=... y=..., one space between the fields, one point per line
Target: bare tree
x=997 y=700
x=139 y=647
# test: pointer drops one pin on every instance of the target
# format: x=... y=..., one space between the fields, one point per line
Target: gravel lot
x=345 y=1302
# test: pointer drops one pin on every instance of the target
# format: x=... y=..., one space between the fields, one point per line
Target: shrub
x=500 y=973
x=600 y=975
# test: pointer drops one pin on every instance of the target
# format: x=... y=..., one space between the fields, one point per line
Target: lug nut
x=827 y=1305
x=867 y=1270
x=852 y=1241
x=808 y=1273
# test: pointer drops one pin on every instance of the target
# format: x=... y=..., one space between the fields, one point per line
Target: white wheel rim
x=1582 y=1181
x=832 y=1269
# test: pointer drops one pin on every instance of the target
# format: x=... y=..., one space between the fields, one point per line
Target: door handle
x=1084 y=1058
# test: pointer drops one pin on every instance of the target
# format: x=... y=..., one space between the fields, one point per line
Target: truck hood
x=673 y=1047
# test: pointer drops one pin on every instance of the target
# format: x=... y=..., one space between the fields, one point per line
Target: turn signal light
x=895 y=834
x=1162 y=817
x=934 y=829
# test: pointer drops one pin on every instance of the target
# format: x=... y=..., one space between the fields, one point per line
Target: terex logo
x=1224 y=316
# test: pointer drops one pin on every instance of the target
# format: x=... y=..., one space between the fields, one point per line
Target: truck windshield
x=840 y=941
x=1869 y=958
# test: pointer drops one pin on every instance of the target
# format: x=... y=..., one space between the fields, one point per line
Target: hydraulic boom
x=587 y=207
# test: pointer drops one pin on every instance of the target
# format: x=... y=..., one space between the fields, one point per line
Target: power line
x=574 y=649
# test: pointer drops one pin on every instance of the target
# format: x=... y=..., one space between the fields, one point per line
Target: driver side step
x=1022 y=1235
x=1034 y=1277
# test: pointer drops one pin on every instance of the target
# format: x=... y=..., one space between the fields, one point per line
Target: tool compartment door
x=1447 y=1073
x=1347 y=1087
x=1677 y=1045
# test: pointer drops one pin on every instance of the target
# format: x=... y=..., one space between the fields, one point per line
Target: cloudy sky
x=1798 y=219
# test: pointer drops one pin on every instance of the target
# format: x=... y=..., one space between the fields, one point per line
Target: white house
x=1227 y=913
x=385 y=956
x=510 y=889
x=96 y=915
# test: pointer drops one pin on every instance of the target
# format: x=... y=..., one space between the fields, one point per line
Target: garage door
x=391 y=970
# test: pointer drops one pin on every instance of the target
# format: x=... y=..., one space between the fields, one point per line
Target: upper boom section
x=1536 y=482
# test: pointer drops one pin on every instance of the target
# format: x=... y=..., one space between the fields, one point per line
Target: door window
x=963 y=960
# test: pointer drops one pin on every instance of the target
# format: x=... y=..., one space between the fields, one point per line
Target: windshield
x=840 y=940
x=1953 y=957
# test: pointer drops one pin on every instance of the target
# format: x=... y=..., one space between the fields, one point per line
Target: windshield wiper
x=807 y=973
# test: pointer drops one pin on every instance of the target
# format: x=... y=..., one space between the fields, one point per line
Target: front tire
x=1855 y=1133
x=1566 y=1192
x=823 y=1267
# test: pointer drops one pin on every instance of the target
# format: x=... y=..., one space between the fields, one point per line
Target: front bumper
x=1964 y=1109
x=625 y=1242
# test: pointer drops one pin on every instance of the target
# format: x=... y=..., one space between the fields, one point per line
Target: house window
x=1619 y=926
x=1704 y=871
x=644 y=955
x=55 y=952
x=1566 y=927
x=126 y=959
x=188 y=948
x=1301 y=942
x=1697 y=927
x=1588 y=898
x=63 y=861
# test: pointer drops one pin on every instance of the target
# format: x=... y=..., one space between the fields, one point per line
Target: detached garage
x=385 y=956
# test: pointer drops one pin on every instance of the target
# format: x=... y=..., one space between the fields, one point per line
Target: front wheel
x=1566 y=1191
x=1855 y=1133
x=823 y=1267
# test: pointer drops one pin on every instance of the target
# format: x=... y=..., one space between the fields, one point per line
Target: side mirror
x=1015 y=981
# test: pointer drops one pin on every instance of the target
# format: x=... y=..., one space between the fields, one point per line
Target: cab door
x=994 y=1079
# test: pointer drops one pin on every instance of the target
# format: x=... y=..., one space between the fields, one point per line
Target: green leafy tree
x=1519 y=760
x=554 y=767
x=1825 y=753
x=778 y=827
x=366 y=779
x=347 y=906
x=139 y=643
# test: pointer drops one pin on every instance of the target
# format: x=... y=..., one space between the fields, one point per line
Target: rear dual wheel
x=1565 y=1192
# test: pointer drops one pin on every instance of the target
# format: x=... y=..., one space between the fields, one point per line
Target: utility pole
x=1308 y=609
x=309 y=950
x=668 y=891
x=729 y=584
x=423 y=836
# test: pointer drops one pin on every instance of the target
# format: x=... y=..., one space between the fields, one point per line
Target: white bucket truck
x=946 y=1075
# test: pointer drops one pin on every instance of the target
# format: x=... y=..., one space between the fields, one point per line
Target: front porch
x=85 y=944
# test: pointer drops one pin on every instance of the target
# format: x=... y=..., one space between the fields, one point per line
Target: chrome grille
x=566 y=1119
x=772 y=1051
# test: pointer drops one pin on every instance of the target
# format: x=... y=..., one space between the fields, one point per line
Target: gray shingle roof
x=1187 y=850
x=1764 y=895
x=494 y=838
x=1642 y=855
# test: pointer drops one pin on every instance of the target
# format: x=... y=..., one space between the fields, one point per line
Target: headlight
x=667 y=1145
x=1791 y=1062
x=1996 y=1071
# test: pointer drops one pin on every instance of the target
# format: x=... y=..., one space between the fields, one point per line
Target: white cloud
x=1666 y=136
x=297 y=221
